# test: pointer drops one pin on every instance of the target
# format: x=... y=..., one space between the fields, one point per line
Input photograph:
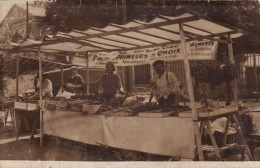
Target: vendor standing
x=75 y=83
x=109 y=84
x=165 y=85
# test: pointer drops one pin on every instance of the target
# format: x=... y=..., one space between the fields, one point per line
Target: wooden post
x=256 y=82
x=17 y=77
x=62 y=78
x=124 y=69
x=187 y=73
x=40 y=94
x=124 y=12
x=190 y=90
x=87 y=73
x=132 y=71
x=27 y=20
x=231 y=59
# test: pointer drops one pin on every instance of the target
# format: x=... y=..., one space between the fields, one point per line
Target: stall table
x=22 y=109
x=169 y=136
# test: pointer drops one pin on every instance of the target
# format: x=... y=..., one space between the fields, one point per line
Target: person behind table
x=109 y=83
x=47 y=87
x=75 y=83
x=165 y=85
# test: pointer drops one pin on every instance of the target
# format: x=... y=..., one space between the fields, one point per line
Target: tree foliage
x=66 y=15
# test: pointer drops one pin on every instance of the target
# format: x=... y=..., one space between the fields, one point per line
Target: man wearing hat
x=165 y=85
x=75 y=83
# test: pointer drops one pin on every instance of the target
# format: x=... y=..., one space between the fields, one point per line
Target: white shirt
x=166 y=84
x=47 y=88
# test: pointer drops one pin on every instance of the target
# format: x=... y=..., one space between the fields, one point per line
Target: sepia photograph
x=129 y=83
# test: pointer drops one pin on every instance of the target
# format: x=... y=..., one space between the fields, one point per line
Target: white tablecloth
x=171 y=136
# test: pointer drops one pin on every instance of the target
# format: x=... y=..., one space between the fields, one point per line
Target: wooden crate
x=155 y=113
x=20 y=105
x=51 y=105
x=75 y=106
x=62 y=105
x=32 y=106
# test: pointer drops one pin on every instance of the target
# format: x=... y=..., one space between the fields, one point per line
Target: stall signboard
x=197 y=50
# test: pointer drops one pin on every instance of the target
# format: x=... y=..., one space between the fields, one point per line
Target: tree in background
x=65 y=15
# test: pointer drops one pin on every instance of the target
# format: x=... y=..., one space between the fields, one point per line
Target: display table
x=7 y=107
x=26 y=115
x=170 y=136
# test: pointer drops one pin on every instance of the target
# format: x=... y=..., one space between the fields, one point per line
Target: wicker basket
x=75 y=107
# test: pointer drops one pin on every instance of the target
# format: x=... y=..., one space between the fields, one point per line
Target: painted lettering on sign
x=196 y=50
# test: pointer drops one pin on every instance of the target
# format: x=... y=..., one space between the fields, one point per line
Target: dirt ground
x=60 y=149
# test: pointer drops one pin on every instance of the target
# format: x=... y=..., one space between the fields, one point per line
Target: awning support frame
x=190 y=90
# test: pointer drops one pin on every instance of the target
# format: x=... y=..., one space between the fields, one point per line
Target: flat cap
x=158 y=62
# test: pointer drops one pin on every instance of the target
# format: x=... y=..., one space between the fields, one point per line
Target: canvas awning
x=161 y=31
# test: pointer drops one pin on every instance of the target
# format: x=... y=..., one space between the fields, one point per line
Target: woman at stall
x=109 y=84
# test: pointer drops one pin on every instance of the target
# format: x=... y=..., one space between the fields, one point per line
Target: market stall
x=25 y=109
x=167 y=134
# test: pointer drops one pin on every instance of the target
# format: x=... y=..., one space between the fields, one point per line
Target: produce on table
x=148 y=107
x=133 y=101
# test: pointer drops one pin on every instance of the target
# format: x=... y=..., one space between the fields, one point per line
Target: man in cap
x=75 y=83
x=165 y=85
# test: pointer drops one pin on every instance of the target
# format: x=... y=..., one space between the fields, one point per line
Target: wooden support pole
x=17 y=77
x=214 y=143
x=27 y=21
x=231 y=59
x=124 y=12
x=198 y=140
x=133 y=78
x=242 y=136
x=124 y=68
x=40 y=94
x=187 y=73
x=190 y=90
x=87 y=73
x=226 y=131
x=256 y=82
x=62 y=78
x=224 y=141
